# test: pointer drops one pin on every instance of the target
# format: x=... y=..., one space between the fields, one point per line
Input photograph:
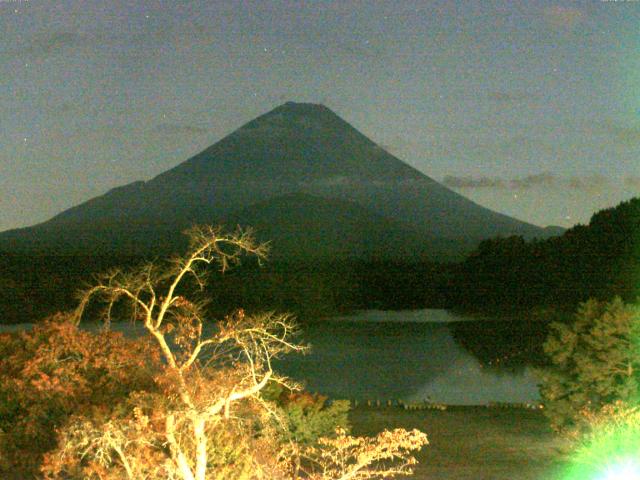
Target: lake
x=410 y=356
x=394 y=355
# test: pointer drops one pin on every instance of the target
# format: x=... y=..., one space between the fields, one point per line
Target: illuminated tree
x=356 y=458
x=595 y=362
x=206 y=417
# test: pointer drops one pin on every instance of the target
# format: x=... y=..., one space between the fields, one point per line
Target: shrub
x=595 y=361
x=309 y=416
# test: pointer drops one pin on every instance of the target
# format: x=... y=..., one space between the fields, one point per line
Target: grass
x=474 y=443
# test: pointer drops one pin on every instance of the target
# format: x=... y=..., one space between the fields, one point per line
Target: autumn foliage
x=57 y=370
x=188 y=400
x=358 y=458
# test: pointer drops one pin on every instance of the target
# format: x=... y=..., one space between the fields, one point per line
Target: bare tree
x=241 y=346
x=209 y=387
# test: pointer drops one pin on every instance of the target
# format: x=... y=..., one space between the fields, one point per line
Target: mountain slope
x=304 y=226
x=294 y=149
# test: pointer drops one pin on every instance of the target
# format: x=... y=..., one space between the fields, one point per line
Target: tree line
x=600 y=260
x=33 y=287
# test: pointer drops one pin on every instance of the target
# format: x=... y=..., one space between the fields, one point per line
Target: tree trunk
x=201 y=448
x=177 y=454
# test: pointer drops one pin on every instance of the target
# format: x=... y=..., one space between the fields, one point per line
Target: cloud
x=563 y=18
x=179 y=129
x=469 y=182
x=43 y=44
x=586 y=183
x=538 y=180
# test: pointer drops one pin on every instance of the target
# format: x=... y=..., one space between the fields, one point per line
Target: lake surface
x=410 y=356
x=391 y=355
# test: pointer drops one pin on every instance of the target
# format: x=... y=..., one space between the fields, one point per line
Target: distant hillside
x=600 y=260
x=371 y=201
x=554 y=231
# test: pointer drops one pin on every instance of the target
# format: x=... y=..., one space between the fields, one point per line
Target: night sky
x=531 y=108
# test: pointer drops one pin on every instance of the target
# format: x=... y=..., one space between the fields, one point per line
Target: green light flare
x=615 y=469
x=623 y=470
x=613 y=453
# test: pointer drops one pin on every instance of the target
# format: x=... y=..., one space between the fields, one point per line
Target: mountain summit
x=294 y=143
x=298 y=161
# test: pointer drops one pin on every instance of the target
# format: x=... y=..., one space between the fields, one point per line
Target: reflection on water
x=409 y=356
x=378 y=355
